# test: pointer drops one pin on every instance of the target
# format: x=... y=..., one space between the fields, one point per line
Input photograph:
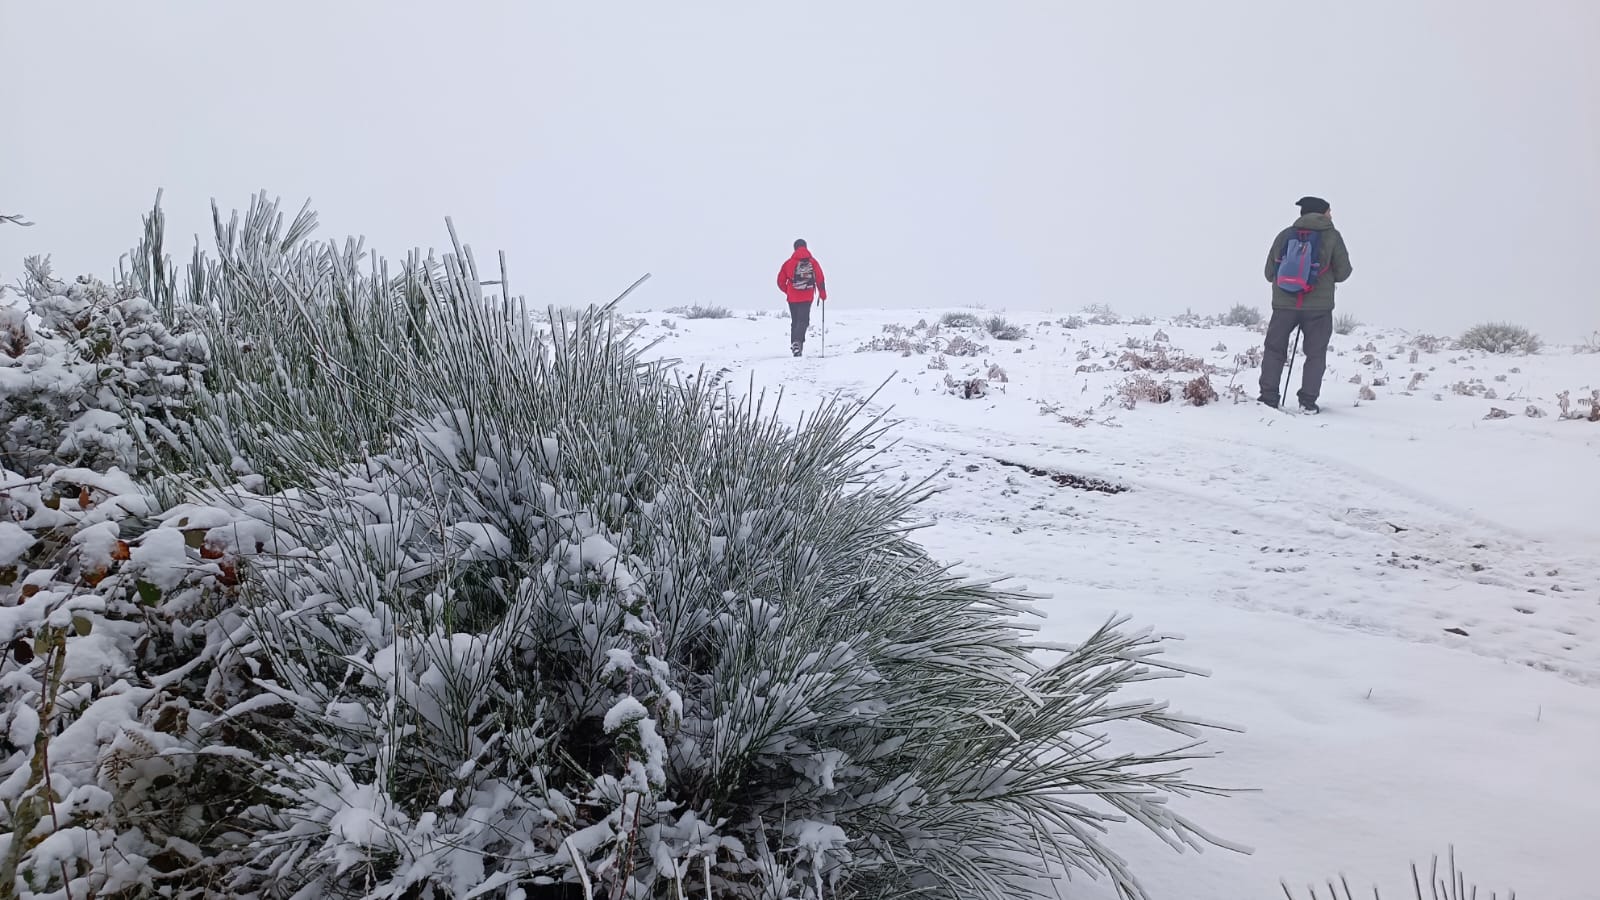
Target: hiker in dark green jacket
x=1310 y=310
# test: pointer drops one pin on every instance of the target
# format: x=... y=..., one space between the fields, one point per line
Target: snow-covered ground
x=1399 y=600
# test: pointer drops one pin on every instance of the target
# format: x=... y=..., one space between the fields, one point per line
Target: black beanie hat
x=799 y=242
x=1309 y=205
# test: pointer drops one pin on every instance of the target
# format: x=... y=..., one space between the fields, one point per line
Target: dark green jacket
x=1333 y=255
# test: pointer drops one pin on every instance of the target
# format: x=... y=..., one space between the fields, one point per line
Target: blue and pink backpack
x=1298 y=268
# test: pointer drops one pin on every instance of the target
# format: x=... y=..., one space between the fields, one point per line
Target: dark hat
x=1309 y=205
x=799 y=242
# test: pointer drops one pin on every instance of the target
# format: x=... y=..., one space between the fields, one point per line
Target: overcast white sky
x=1024 y=154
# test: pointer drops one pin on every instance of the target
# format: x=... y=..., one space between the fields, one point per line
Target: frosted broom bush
x=517 y=613
x=1500 y=337
x=1242 y=316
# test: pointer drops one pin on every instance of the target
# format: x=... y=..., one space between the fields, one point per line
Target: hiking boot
x=1273 y=402
x=796 y=348
x=1310 y=406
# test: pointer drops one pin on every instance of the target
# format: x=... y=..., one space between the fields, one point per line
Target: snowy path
x=1391 y=636
x=1238 y=512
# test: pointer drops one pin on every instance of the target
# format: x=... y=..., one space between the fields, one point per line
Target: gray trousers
x=1316 y=329
x=799 y=321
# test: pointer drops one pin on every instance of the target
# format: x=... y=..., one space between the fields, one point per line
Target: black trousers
x=1316 y=329
x=799 y=321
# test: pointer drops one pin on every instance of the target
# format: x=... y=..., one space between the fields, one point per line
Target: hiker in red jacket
x=800 y=279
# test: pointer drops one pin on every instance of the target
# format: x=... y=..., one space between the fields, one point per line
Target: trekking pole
x=1289 y=378
x=824 y=311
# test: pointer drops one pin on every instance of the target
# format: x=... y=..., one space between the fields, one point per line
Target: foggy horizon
x=1020 y=155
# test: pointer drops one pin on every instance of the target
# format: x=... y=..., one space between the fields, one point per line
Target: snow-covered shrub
x=110 y=611
x=1500 y=337
x=1002 y=330
x=99 y=375
x=1157 y=358
x=1102 y=314
x=907 y=340
x=901 y=344
x=920 y=340
x=967 y=388
x=960 y=320
x=1199 y=391
x=1345 y=323
x=1474 y=388
x=1141 y=387
x=108 y=782
x=1242 y=316
x=962 y=346
x=1250 y=359
x=1428 y=343
x=1564 y=400
x=565 y=609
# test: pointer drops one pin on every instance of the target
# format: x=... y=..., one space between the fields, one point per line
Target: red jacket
x=786 y=276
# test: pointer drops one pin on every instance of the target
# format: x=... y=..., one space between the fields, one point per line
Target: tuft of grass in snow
x=1345 y=323
x=701 y=312
x=1002 y=330
x=1500 y=337
x=960 y=320
x=1437 y=883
